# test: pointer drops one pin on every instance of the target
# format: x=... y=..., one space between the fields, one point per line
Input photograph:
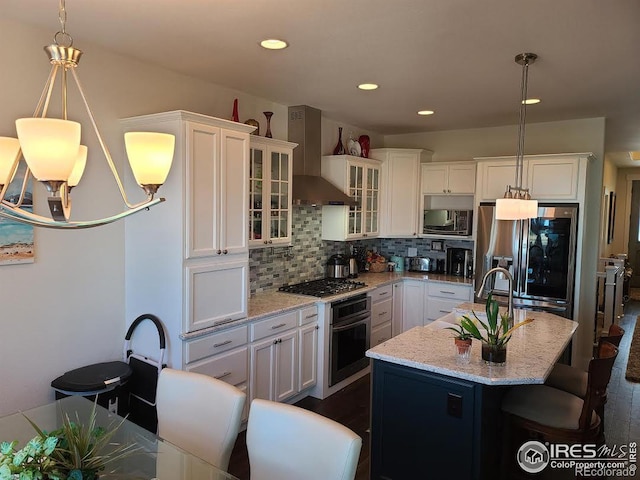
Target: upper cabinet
x=449 y=178
x=187 y=260
x=360 y=179
x=557 y=177
x=400 y=190
x=270 y=173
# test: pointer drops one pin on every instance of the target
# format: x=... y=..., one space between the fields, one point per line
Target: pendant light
x=53 y=154
x=517 y=203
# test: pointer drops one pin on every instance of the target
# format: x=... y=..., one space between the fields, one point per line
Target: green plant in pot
x=498 y=332
x=462 y=338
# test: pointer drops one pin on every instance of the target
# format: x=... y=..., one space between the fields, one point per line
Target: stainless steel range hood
x=309 y=188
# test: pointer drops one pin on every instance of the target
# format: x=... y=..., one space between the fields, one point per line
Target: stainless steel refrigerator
x=539 y=253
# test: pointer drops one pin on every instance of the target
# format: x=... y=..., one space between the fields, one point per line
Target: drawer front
x=449 y=290
x=381 y=312
x=381 y=293
x=215 y=343
x=308 y=315
x=273 y=325
x=230 y=367
x=439 y=307
x=380 y=334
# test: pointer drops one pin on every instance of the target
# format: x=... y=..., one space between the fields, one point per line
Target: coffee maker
x=460 y=262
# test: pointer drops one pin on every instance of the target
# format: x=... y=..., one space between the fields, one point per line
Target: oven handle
x=341 y=328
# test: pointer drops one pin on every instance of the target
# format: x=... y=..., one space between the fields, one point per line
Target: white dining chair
x=199 y=414
x=286 y=442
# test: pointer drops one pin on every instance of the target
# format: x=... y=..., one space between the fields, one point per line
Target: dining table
x=152 y=458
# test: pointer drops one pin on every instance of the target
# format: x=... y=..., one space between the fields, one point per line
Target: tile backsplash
x=272 y=267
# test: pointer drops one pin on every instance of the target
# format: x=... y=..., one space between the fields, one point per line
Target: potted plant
x=498 y=333
x=462 y=338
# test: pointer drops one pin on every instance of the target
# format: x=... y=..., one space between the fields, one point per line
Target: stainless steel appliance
x=421 y=264
x=350 y=331
x=450 y=222
x=353 y=267
x=322 y=287
x=539 y=253
x=460 y=262
x=338 y=266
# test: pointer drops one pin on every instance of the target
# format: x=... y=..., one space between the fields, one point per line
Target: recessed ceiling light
x=368 y=86
x=426 y=112
x=531 y=101
x=273 y=44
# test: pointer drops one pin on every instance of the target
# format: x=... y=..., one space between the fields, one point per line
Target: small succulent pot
x=462 y=349
x=495 y=355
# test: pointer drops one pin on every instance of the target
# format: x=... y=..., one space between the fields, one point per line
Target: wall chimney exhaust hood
x=309 y=188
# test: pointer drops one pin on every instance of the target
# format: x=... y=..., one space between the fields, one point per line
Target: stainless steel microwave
x=448 y=222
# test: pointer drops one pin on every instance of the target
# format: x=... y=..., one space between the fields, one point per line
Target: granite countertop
x=531 y=352
x=274 y=302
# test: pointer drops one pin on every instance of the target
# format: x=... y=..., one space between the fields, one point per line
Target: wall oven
x=350 y=332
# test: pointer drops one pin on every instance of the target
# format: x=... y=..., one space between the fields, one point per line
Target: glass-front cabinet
x=270 y=173
x=360 y=179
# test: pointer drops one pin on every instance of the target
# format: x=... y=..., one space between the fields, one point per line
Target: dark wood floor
x=350 y=407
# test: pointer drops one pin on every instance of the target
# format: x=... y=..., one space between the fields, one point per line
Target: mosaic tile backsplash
x=273 y=267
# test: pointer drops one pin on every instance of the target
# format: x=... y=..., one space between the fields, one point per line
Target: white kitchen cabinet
x=360 y=179
x=413 y=304
x=308 y=356
x=270 y=184
x=381 y=314
x=448 y=178
x=553 y=177
x=400 y=190
x=186 y=260
x=443 y=297
x=274 y=367
x=396 y=321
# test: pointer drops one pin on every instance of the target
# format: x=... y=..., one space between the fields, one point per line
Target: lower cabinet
x=273 y=358
x=413 y=304
x=442 y=298
x=381 y=314
x=274 y=363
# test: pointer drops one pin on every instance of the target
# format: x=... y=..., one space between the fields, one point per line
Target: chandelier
x=517 y=203
x=53 y=154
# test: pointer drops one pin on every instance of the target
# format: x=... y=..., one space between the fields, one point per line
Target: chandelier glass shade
x=517 y=203
x=53 y=154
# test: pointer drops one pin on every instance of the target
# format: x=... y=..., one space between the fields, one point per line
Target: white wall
x=584 y=135
x=66 y=310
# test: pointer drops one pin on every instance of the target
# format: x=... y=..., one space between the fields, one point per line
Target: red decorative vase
x=339 y=150
x=365 y=145
x=235 y=116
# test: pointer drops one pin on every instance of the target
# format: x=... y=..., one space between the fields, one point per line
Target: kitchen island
x=434 y=417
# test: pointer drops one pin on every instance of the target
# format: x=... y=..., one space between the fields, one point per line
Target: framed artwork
x=611 y=217
x=16 y=239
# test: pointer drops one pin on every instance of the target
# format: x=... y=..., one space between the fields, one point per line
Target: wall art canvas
x=16 y=239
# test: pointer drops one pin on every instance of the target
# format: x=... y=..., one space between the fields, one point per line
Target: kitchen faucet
x=510 y=278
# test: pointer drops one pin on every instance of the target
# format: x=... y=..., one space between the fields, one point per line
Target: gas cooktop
x=323 y=287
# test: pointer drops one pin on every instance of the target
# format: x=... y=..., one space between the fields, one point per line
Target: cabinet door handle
x=444 y=311
x=216 y=345
x=275 y=342
x=225 y=374
x=225 y=251
x=219 y=252
x=317 y=327
x=265 y=242
x=382 y=313
x=279 y=340
x=270 y=241
x=382 y=293
x=447 y=292
x=280 y=325
x=444 y=190
x=312 y=315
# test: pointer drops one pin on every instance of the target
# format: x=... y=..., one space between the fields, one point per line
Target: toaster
x=421 y=264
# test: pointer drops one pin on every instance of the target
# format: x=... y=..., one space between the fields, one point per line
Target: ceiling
x=455 y=57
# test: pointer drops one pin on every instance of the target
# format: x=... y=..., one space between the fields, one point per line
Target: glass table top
x=154 y=459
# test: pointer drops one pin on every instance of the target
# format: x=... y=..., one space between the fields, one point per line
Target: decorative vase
x=339 y=150
x=493 y=354
x=268 y=132
x=235 y=116
x=365 y=143
x=254 y=123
